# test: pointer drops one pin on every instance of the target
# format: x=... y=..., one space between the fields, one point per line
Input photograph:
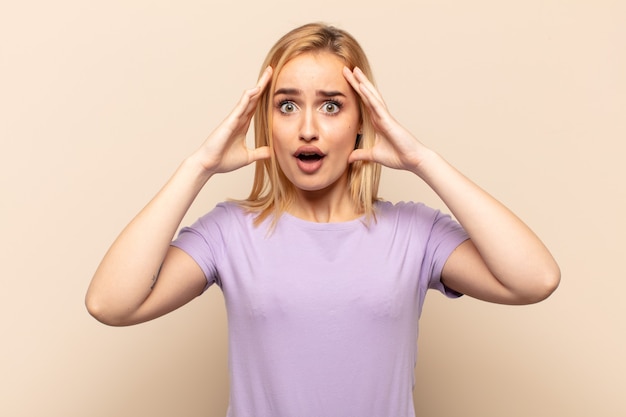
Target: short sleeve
x=445 y=236
x=204 y=242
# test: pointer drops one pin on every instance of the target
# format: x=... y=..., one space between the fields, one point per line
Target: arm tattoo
x=155 y=277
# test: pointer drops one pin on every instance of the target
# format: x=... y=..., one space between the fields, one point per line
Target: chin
x=319 y=186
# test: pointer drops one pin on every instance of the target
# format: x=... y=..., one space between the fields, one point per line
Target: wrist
x=193 y=167
x=426 y=164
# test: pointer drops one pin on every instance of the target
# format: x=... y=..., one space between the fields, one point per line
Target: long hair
x=272 y=192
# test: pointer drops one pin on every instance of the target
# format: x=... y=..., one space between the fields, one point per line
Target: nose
x=308 y=127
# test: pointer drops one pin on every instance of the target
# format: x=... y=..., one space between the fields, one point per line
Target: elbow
x=98 y=310
x=545 y=283
x=551 y=280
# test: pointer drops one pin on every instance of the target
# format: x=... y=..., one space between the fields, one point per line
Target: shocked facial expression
x=316 y=119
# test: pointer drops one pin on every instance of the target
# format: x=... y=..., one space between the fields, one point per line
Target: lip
x=308 y=149
x=309 y=166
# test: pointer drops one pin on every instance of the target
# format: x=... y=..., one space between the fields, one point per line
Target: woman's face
x=315 y=122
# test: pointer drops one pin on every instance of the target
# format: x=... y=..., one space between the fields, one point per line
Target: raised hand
x=124 y=289
x=225 y=149
x=504 y=261
x=394 y=147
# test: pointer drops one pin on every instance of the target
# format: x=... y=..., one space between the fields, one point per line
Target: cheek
x=284 y=127
x=348 y=127
x=346 y=135
x=278 y=135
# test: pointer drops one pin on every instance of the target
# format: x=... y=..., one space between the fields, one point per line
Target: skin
x=502 y=262
x=316 y=109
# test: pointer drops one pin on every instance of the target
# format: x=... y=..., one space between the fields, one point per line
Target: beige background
x=100 y=101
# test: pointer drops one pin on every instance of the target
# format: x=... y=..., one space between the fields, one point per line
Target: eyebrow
x=297 y=92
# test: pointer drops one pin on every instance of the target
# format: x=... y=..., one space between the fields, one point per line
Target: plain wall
x=100 y=102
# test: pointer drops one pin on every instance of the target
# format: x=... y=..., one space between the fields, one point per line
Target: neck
x=323 y=207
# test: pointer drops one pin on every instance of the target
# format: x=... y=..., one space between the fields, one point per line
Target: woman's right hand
x=124 y=289
x=225 y=149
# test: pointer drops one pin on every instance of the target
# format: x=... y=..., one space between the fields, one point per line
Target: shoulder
x=226 y=211
x=216 y=224
x=413 y=217
x=223 y=223
x=405 y=210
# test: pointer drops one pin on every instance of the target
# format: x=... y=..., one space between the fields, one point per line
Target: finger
x=366 y=90
x=265 y=77
x=360 y=76
x=361 y=155
x=239 y=113
x=355 y=84
x=358 y=87
x=254 y=94
x=375 y=105
x=349 y=76
x=258 y=154
x=247 y=103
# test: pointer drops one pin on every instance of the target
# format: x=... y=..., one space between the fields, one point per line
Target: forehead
x=314 y=69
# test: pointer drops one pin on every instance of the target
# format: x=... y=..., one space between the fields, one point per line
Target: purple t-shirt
x=323 y=317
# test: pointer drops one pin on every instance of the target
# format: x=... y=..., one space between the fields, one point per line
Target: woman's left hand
x=504 y=261
x=394 y=146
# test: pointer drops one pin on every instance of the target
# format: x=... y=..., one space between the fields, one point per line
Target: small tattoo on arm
x=155 y=277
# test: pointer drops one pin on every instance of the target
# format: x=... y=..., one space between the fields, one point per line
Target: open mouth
x=309 y=156
x=309 y=159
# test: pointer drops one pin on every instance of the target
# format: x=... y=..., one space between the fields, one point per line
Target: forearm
x=510 y=249
x=129 y=269
x=126 y=275
x=505 y=261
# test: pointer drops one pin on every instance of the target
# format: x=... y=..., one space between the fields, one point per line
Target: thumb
x=360 y=155
x=257 y=154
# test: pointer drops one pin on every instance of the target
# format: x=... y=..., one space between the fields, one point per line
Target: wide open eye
x=331 y=107
x=287 y=106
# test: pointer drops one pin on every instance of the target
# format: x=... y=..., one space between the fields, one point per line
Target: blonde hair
x=272 y=192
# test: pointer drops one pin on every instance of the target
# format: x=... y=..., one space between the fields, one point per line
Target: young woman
x=323 y=281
